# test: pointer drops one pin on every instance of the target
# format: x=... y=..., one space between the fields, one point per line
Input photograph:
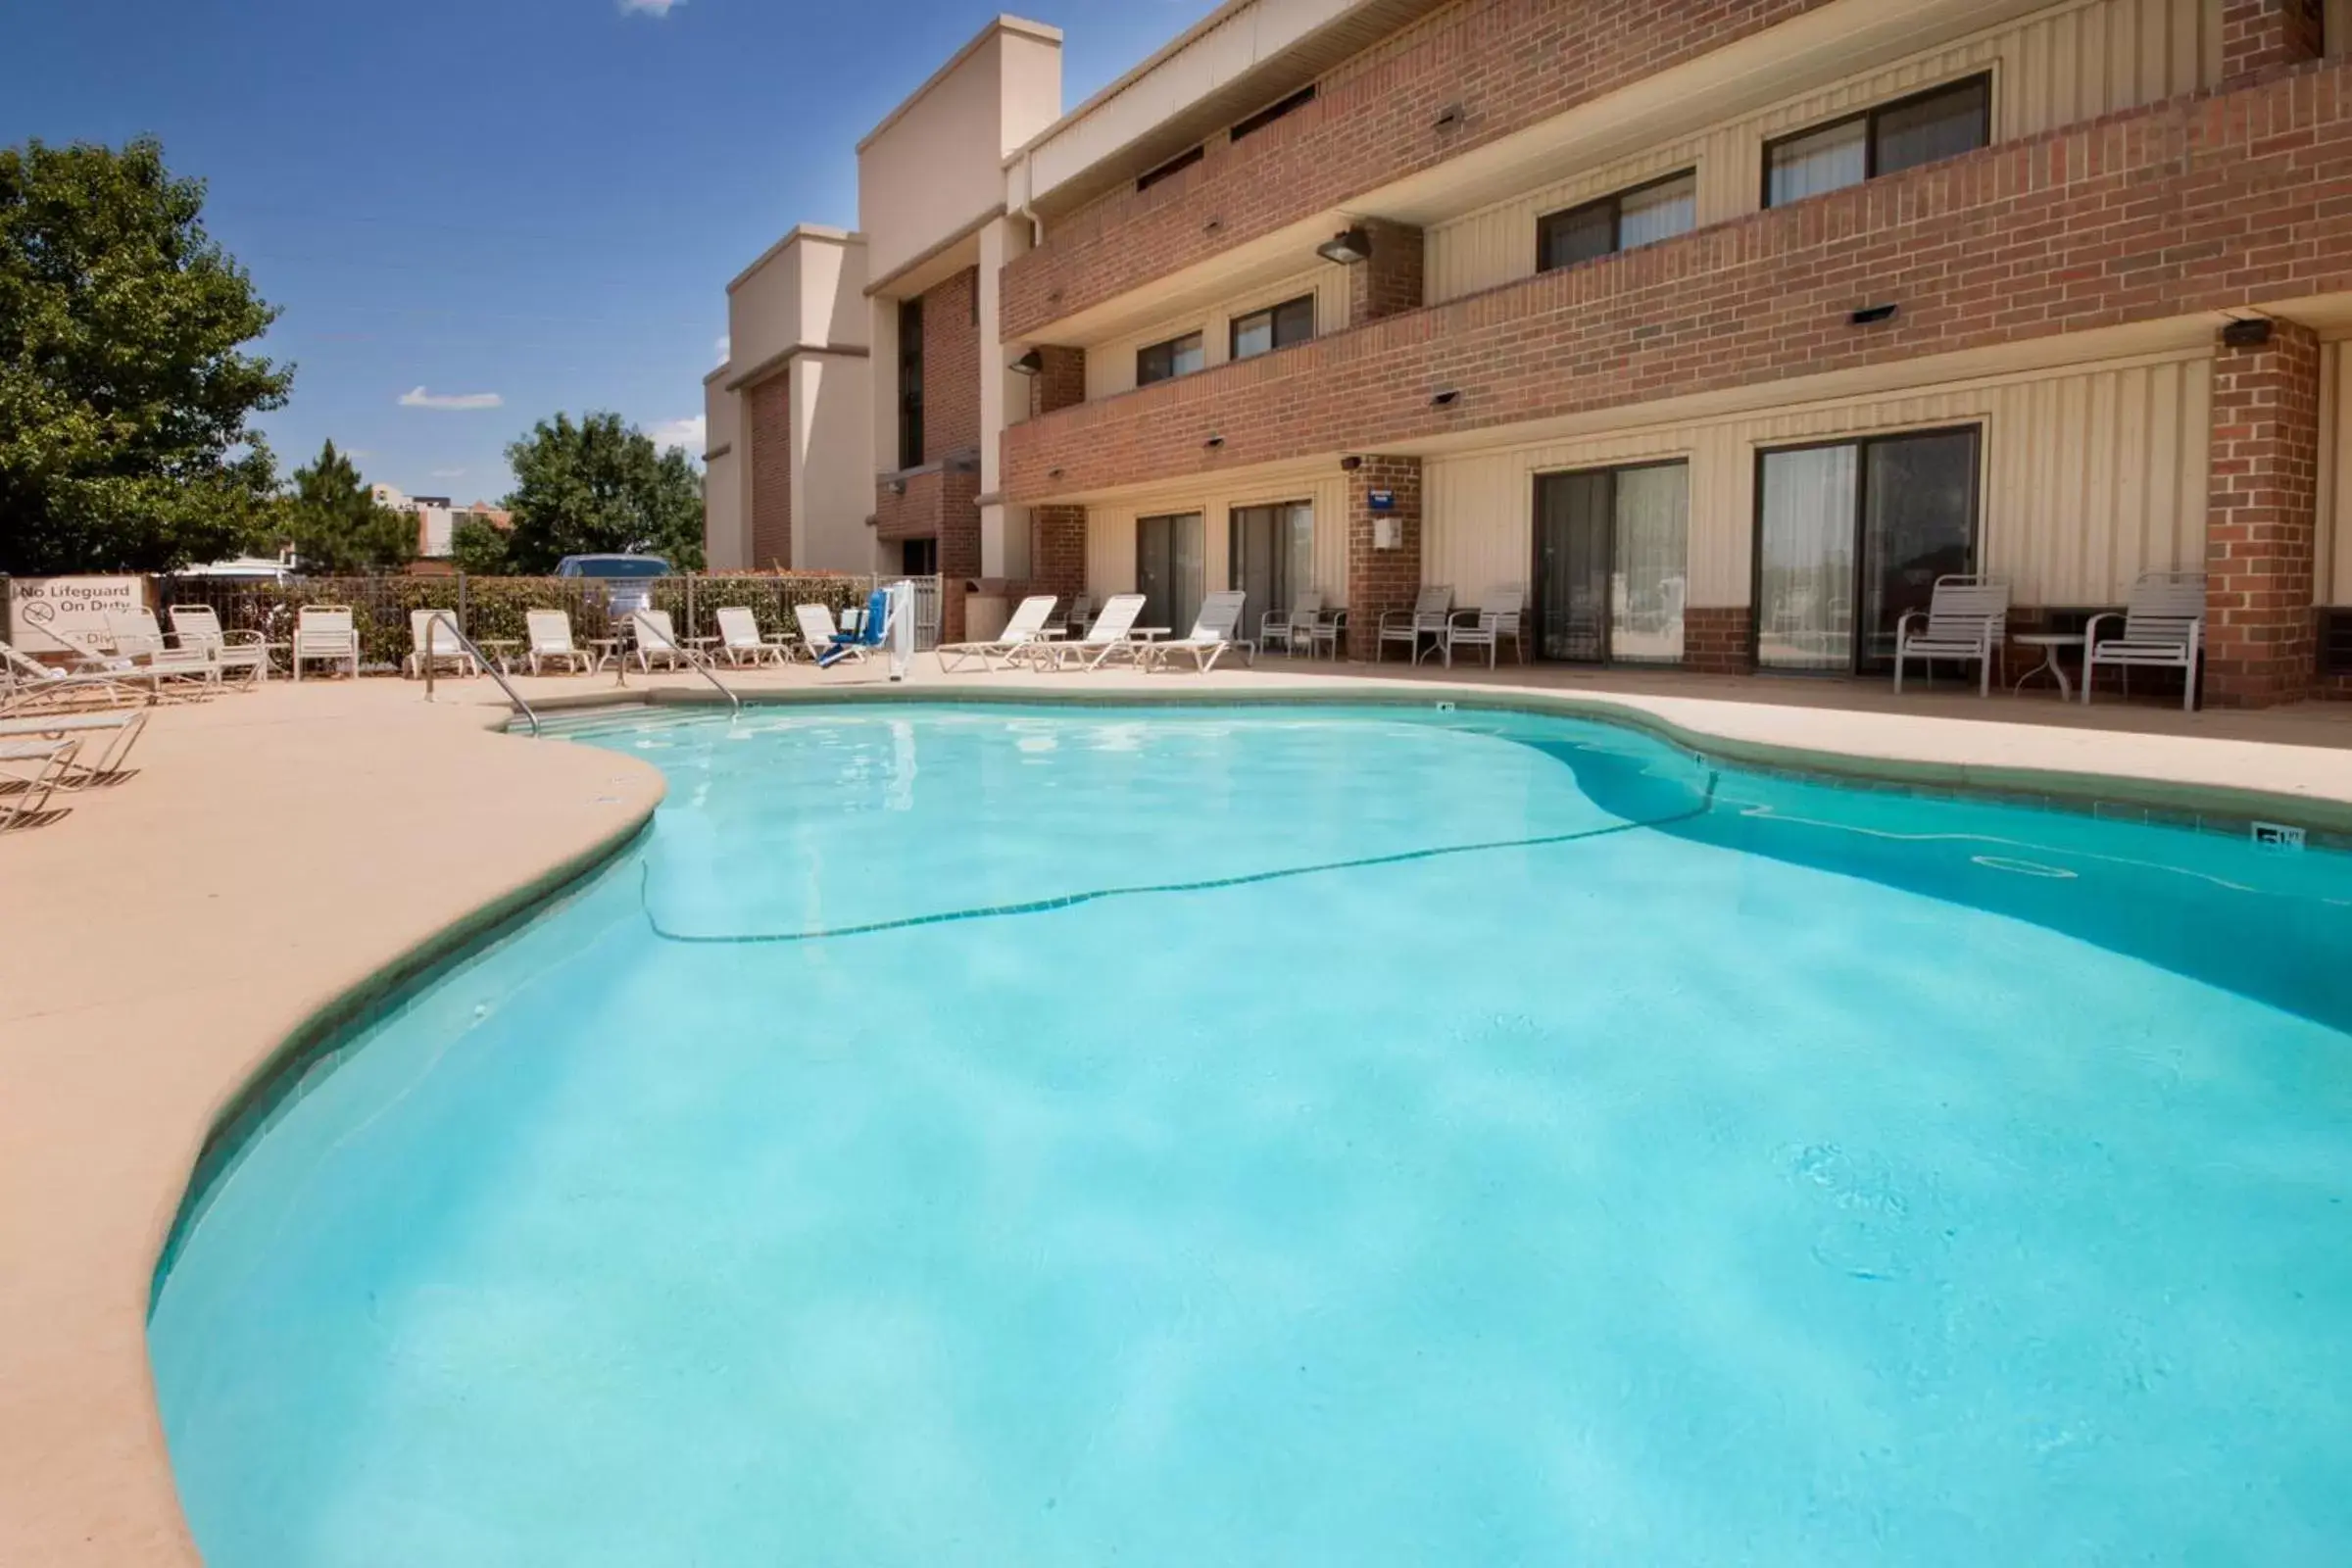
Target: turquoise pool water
x=1305 y=1137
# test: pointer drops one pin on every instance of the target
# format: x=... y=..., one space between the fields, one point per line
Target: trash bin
x=987 y=606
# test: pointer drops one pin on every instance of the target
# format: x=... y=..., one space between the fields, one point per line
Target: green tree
x=601 y=487
x=479 y=548
x=335 y=526
x=126 y=441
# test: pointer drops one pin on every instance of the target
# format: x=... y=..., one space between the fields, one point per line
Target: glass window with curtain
x=1163 y=362
x=1885 y=141
x=1271 y=555
x=1825 y=160
x=910 y=383
x=1611 y=570
x=1171 y=565
x=1805 y=560
x=1277 y=326
x=1622 y=222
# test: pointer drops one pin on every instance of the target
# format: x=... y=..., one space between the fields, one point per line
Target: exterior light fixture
x=1350 y=462
x=2251 y=333
x=1445 y=398
x=1449 y=118
x=1029 y=363
x=1215 y=441
x=1873 y=315
x=898 y=487
x=1347 y=248
x=1052 y=474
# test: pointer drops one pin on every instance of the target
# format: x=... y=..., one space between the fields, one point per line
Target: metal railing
x=433 y=630
x=639 y=627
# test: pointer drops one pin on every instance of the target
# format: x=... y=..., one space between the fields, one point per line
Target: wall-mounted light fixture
x=1212 y=226
x=2249 y=333
x=1350 y=462
x=1450 y=116
x=1347 y=248
x=1215 y=441
x=1052 y=474
x=898 y=487
x=1445 y=398
x=1029 y=363
x=1873 y=315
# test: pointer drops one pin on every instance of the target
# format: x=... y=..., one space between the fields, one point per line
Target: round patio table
x=2049 y=642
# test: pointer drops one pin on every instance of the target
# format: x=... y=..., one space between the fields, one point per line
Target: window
x=1163 y=362
x=1272 y=112
x=1885 y=141
x=1270 y=556
x=1612 y=564
x=1277 y=326
x=918 y=558
x=1642 y=216
x=1171 y=564
x=1171 y=169
x=910 y=383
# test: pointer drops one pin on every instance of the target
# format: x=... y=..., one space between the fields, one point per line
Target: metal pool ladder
x=432 y=635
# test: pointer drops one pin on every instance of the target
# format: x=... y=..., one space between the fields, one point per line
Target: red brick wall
x=1507 y=63
x=768 y=421
x=1389 y=282
x=2258 y=35
x=911 y=515
x=1057 y=551
x=2262 y=520
x=1062 y=383
x=1720 y=642
x=2197 y=205
x=1381 y=580
x=950 y=368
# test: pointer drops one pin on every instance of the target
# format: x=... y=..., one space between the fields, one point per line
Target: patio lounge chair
x=821 y=637
x=1291 y=626
x=1105 y=640
x=324 y=634
x=198 y=626
x=655 y=638
x=1966 y=621
x=119 y=729
x=139 y=644
x=740 y=639
x=26 y=683
x=1211 y=635
x=1027 y=625
x=1488 y=625
x=2164 y=628
x=35 y=767
x=547 y=634
x=1431 y=614
x=438 y=629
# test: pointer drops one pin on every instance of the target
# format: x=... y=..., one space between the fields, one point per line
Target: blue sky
x=536 y=200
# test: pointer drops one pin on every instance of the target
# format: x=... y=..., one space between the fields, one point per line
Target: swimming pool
x=1303 y=1135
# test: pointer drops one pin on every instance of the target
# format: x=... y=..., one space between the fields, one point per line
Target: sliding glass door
x=1851 y=536
x=1171 y=565
x=1612 y=551
x=1272 y=557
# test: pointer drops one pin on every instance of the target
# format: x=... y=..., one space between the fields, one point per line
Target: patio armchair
x=548 y=635
x=1501 y=615
x=2164 y=628
x=1966 y=621
x=437 y=630
x=1291 y=626
x=324 y=634
x=1431 y=614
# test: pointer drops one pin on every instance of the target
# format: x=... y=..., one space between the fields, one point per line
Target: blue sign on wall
x=1382 y=500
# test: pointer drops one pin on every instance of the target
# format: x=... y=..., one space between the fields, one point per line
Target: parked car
x=631 y=577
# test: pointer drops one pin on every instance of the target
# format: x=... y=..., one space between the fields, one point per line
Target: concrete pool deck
x=278 y=850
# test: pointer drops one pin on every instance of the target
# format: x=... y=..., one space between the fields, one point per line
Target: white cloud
x=420 y=398
x=449 y=473
x=648 y=8
x=687 y=435
x=724 y=347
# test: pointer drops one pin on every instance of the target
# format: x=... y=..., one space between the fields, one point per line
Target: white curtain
x=1828 y=160
x=1805 y=571
x=1658 y=213
x=1300 y=573
x=1651 y=564
x=1192 y=569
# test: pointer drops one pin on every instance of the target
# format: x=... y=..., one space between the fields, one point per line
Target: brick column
x=2262 y=520
x=2262 y=35
x=1061 y=384
x=1381 y=580
x=1389 y=282
x=1057 y=551
x=959 y=541
x=767 y=420
x=1718 y=641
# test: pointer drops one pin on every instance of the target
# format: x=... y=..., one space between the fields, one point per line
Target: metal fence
x=492 y=608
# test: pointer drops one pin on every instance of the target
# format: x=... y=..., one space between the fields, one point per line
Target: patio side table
x=2050 y=643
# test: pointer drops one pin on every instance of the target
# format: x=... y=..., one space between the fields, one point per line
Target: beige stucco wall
x=726 y=545
x=935 y=167
x=2064 y=64
x=1110 y=364
x=1111 y=529
x=2093 y=474
x=833 y=465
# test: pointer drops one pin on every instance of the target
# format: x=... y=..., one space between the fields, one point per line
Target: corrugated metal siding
x=2067 y=64
x=1110 y=366
x=2339 y=28
x=1110 y=532
x=2092 y=475
x=2335 y=469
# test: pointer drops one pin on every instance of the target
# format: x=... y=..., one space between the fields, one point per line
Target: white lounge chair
x=1027 y=625
x=821 y=635
x=438 y=629
x=740 y=639
x=1289 y=627
x=1431 y=614
x=324 y=634
x=27 y=684
x=1966 y=621
x=139 y=643
x=1500 y=616
x=1211 y=635
x=547 y=634
x=1106 y=639
x=118 y=729
x=2164 y=628
x=653 y=637
x=37 y=768
x=198 y=626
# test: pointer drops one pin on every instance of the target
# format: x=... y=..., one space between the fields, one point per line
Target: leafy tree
x=479 y=548
x=601 y=487
x=335 y=524
x=124 y=403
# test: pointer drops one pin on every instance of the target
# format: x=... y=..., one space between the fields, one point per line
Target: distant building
x=437 y=519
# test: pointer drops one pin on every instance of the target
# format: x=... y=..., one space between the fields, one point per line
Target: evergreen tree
x=335 y=526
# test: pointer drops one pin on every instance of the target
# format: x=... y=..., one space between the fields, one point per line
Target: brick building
x=1718 y=330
